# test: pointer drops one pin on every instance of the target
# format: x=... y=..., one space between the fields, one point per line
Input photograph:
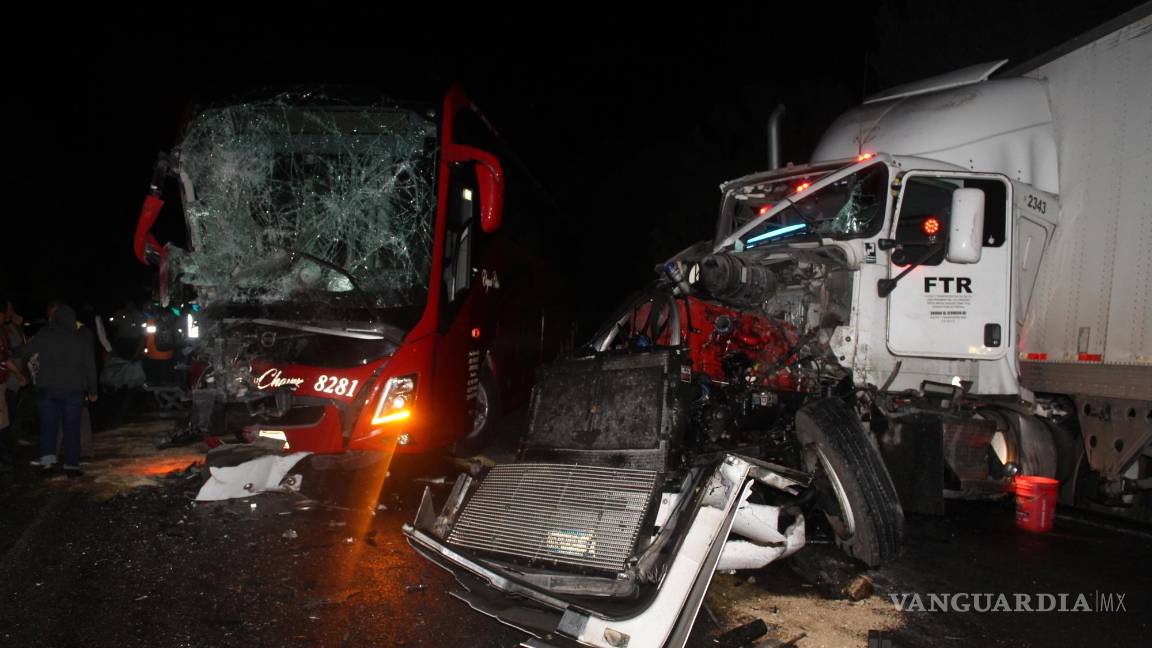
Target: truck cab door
x=943 y=309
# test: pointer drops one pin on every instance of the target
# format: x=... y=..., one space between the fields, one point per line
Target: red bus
x=363 y=272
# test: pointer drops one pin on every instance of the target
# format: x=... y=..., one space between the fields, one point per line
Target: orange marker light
x=392 y=418
x=864 y=156
x=764 y=210
x=931 y=226
x=802 y=186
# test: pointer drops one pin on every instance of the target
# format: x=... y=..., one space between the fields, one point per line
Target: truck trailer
x=952 y=293
x=1054 y=311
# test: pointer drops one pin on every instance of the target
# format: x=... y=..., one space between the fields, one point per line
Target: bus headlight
x=395 y=400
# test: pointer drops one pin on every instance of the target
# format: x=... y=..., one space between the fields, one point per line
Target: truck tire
x=486 y=420
x=867 y=517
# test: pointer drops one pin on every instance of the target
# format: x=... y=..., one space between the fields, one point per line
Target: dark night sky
x=630 y=120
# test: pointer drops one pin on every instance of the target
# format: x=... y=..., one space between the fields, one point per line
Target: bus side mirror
x=491 y=180
x=148 y=250
x=966 y=229
x=144 y=244
x=490 y=176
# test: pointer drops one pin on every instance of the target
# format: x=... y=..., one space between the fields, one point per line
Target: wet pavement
x=147 y=570
x=123 y=557
x=147 y=566
x=957 y=567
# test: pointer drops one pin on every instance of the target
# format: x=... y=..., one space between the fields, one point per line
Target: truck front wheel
x=854 y=491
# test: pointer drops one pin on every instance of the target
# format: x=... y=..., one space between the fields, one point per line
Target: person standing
x=12 y=332
x=7 y=448
x=87 y=324
x=67 y=375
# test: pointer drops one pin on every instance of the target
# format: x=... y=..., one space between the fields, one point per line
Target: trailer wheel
x=854 y=490
x=486 y=420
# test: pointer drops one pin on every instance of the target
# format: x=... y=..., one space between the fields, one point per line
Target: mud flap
x=913 y=451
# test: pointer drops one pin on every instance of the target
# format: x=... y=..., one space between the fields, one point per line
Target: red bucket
x=1036 y=503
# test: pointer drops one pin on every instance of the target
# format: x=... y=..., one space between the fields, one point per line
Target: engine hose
x=892 y=376
x=783 y=363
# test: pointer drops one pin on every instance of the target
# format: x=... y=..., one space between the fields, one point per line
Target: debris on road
x=290 y=534
x=267 y=473
x=742 y=635
x=859 y=588
x=833 y=575
x=791 y=643
x=339 y=598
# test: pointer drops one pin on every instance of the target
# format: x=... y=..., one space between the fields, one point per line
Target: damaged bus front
x=356 y=286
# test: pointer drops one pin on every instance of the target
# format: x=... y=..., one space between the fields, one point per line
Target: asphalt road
x=148 y=568
x=123 y=557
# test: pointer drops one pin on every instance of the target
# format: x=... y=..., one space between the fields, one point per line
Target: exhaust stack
x=774 y=137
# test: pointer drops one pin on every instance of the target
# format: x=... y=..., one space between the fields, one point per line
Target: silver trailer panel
x=1093 y=298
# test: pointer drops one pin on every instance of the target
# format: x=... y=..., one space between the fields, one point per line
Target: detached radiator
x=581 y=516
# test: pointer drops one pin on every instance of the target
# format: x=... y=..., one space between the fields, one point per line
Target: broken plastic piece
x=246 y=479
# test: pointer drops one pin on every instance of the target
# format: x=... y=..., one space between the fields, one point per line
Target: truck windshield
x=850 y=207
x=305 y=204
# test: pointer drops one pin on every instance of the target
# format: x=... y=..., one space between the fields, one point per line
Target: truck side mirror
x=966 y=231
x=490 y=177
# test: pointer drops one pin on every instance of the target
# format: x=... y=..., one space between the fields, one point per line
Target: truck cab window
x=925 y=215
x=925 y=200
x=850 y=207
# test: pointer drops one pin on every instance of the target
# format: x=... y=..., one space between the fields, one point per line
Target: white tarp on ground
x=249 y=478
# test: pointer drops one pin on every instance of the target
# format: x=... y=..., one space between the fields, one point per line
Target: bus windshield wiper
x=343 y=272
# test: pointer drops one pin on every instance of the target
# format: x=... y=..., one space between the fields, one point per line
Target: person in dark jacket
x=66 y=377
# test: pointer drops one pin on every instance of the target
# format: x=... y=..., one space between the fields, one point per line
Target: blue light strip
x=776 y=232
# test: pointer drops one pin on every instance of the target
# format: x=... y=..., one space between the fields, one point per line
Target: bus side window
x=463 y=206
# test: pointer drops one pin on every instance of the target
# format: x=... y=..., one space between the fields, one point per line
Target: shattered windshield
x=309 y=204
x=850 y=207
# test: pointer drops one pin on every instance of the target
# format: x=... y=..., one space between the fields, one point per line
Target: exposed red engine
x=718 y=332
x=722 y=340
